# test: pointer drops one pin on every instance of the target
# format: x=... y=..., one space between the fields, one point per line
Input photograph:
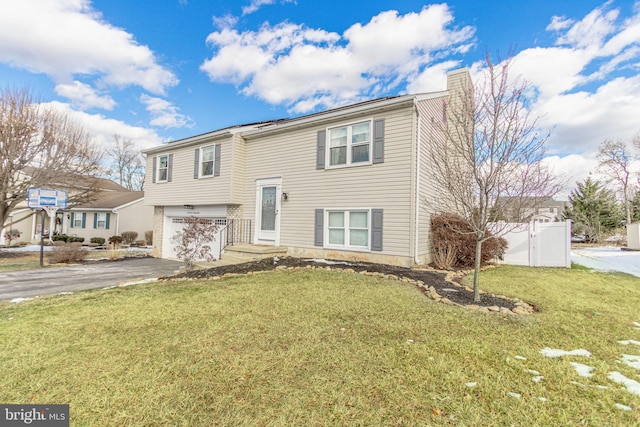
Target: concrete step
x=255 y=251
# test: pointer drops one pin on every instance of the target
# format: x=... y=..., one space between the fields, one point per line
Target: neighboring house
x=124 y=209
x=110 y=214
x=348 y=183
x=537 y=209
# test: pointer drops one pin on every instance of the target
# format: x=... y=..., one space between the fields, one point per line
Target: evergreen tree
x=593 y=210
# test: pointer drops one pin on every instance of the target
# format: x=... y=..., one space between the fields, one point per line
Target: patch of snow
x=542 y=399
x=608 y=259
x=27 y=248
x=636 y=324
x=64 y=293
x=582 y=370
x=631 y=360
x=516 y=395
x=532 y=371
x=409 y=341
x=627 y=342
x=472 y=384
x=138 y=282
x=552 y=352
x=623 y=407
x=537 y=378
x=632 y=386
x=519 y=357
x=17 y=300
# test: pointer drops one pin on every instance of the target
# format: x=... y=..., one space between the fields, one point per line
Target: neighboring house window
x=351 y=229
x=350 y=144
x=101 y=220
x=78 y=220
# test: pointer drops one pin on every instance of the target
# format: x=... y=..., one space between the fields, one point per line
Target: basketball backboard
x=38 y=198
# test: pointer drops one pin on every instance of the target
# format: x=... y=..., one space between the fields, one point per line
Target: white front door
x=267 y=211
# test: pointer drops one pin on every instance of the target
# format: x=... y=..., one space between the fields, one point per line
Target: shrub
x=139 y=243
x=128 y=237
x=97 y=240
x=453 y=243
x=67 y=253
x=60 y=238
x=75 y=239
x=12 y=235
x=192 y=243
x=148 y=236
x=115 y=241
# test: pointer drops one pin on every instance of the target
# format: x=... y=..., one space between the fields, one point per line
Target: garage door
x=174 y=225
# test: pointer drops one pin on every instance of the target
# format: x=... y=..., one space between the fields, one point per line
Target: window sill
x=352 y=165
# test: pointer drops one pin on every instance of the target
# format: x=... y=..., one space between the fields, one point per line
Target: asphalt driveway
x=46 y=281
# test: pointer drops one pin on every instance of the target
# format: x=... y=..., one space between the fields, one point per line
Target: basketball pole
x=42 y=240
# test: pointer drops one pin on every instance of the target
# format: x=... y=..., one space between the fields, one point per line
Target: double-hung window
x=350 y=145
x=206 y=161
x=77 y=220
x=101 y=220
x=163 y=169
x=349 y=229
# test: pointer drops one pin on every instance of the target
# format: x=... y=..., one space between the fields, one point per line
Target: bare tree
x=40 y=147
x=127 y=163
x=489 y=150
x=615 y=158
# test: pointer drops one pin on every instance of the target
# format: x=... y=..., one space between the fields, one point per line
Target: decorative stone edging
x=520 y=308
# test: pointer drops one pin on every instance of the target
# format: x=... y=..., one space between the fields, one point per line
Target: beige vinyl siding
x=183 y=188
x=431 y=116
x=291 y=155
x=238 y=170
x=136 y=217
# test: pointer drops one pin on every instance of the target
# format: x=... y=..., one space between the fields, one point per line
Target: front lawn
x=316 y=347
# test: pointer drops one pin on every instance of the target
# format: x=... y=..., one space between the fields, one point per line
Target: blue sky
x=156 y=71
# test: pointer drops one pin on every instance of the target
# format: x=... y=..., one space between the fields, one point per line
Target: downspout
x=416 y=243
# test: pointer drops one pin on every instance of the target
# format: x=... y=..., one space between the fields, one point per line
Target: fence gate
x=539 y=244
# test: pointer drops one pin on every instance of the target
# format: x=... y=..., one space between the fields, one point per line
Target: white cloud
x=84 y=96
x=257 y=4
x=164 y=114
x=305 y=68
x=63 y=38
x=102 y=129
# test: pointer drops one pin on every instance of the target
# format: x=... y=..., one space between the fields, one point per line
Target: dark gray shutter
x=376 y=229
x=73 y=217
x=378 y=141
x=107 y=222
x=216 y=161
x=169 y=166
x=154 y=162
x=320 y=153
x=95 y=220
x=319 y=228
x=196 y=164
x=84 y=220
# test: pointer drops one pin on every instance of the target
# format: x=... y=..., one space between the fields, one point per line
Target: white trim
x=201 y=161
x=349 y=154
x=416 y=243
x=157 y=168
x=346 y=246
x=257 y=237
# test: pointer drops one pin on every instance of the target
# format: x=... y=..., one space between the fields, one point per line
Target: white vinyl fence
x=539 y=244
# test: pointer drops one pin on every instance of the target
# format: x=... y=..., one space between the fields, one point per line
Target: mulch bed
x=452 y=291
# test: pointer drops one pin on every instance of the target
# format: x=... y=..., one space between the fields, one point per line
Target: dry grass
x=321 y=348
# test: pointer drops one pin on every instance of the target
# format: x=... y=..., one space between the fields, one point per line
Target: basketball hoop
x=51 y=210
